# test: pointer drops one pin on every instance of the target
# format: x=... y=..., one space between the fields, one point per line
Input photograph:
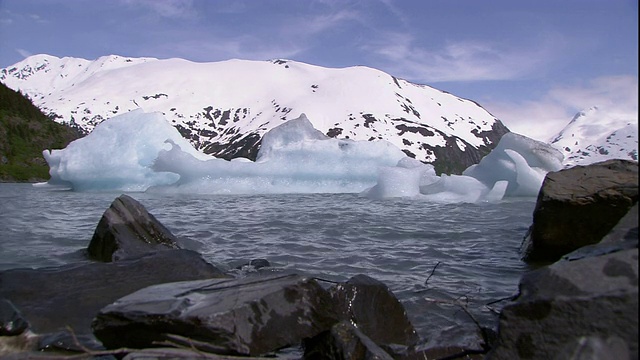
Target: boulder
x=128 y=230
x=343 y=342
x=54 y=298
x=373 y=309
x=249 y=316
x=562 y=304
x=623 y=236
x=578 y=207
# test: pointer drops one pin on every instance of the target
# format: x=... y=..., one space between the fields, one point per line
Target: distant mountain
x=224 y=108
x=24 y=132
x=595 y=135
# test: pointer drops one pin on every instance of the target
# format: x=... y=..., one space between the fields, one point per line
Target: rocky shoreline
x=142 y=295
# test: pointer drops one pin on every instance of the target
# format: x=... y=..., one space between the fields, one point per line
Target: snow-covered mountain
x=224 y=108
x=597 y=134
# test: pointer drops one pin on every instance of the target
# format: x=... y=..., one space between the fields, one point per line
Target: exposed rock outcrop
x=579 y=206
x=128 y=230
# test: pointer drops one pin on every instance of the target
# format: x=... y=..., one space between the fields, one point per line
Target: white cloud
x=240 y=47
x=399 y=54
x=180 y=9
x=544 y=117
x=24 y=53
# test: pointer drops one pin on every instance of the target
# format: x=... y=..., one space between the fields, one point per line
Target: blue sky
x=533 y=64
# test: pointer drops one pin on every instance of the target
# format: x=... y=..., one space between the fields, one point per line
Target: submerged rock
x=249 y=316
x=562 y=304
x=127 y=230
x=54 y=298
x=372 y=307
x=579 y=206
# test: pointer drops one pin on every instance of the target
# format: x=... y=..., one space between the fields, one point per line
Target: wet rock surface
x=128 y=230
x=249 y=316
x=578 y=207
x=11 y=320
x=569 y=300
x=54 y=298
x=343 y=341
x=372 y=307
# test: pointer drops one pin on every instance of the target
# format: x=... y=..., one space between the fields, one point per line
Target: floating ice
x=516 y=167
x=117 y=155
x=521 y=161
x=141 y=151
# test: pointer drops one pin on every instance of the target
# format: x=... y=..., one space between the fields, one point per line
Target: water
x=468 y=252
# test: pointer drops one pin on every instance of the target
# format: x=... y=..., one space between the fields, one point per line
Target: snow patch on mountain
x=596 y=135
x=224 y=108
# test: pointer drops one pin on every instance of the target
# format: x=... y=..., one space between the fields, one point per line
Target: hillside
x=24 y=132
x=598 y=134
x=224 y=108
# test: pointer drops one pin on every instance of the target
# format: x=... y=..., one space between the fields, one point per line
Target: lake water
x=468 y=252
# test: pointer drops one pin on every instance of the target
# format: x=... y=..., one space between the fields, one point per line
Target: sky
x=532 y=64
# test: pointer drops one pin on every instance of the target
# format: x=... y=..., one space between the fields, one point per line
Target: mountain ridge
x=597 y=134
x=224 y=108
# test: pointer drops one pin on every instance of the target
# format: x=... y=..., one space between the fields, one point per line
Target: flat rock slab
x=128 y=230
x=578 y=207
x=249 y=316
x=570 y=300
x=53 y=298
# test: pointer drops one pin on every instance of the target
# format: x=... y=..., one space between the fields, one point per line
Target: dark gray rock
x=595 y=348
x=564 y=302
x=177 y=354
x=11 y=321
x=578 y=207
x=249 y=316
x=53 y=298
x=372 y=307
x=128 y=230
x=343 y=342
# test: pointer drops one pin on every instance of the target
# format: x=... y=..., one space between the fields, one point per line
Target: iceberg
x=516 y=167
x=116 y=155
x=140 y=151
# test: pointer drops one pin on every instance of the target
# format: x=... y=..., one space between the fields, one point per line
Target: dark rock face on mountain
x=249 y=316
x=579 y=206
x=53 y=298
x=128 y=230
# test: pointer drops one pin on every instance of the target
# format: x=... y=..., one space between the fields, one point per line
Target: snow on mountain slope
x=224 y=108
x=596 y=135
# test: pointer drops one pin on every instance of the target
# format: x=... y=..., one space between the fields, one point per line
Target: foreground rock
x=571 y=305
x=249 y=316
x=128 y=230
x=579 y=206
x=374 y=309
x=54 y=298
x=343 y=341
